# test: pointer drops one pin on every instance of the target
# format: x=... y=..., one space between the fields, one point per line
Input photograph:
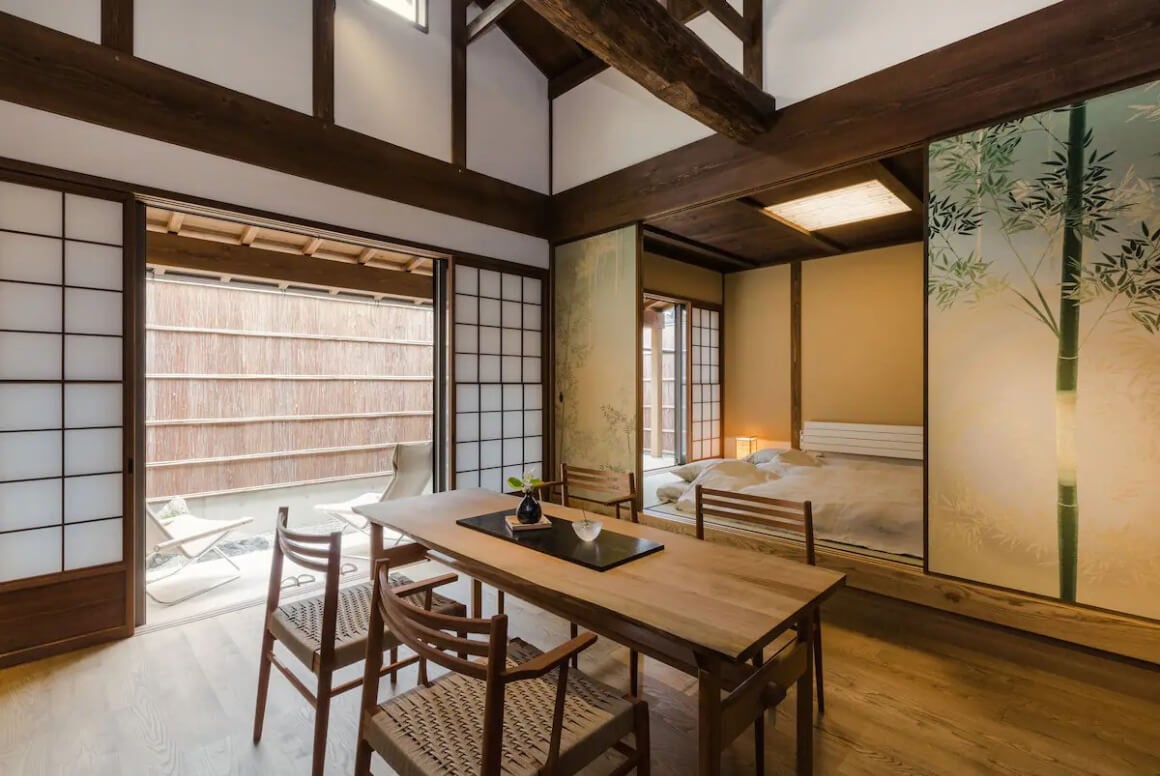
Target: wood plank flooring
x=909 y=691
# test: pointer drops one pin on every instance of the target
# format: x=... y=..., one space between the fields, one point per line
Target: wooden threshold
x=1118 y=634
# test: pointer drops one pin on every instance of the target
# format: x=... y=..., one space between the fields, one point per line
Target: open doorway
x=283 y=369
x=664 y=390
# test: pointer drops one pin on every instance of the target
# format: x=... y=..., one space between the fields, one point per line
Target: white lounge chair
x=410 y=476
x=193 y=538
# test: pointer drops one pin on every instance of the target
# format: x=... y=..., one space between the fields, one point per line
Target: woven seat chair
x=330 y=631
x=499 y=710
x=781 y=515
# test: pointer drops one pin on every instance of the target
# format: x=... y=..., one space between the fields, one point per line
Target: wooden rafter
x=728 y=15
x=641 y=39
x=241 y=261
x=489 y=17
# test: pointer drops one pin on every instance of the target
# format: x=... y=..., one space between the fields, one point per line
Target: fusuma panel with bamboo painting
x=1044 y=353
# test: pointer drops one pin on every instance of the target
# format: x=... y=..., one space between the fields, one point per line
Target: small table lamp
x=746 y=446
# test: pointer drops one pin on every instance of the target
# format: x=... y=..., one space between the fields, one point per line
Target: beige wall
x=676 y=278
x=862 y=337
x=757 y=374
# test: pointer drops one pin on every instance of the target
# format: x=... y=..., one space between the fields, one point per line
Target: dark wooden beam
x=820 y=242
x=1069 y=50
x=640 y=39
x=682 y=10
x=727 y=15
x=55 y=72
x=179 y=252
x=675 y=246
x=899 y=189
x=117 y=25
x=324 y=60
x=752 y=48
x=488 y=17
x=459 y=41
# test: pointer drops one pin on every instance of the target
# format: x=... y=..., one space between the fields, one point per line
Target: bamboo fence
x=250 y=389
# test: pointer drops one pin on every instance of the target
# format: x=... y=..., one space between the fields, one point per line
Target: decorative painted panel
x=597 y=302
x=1044 y=353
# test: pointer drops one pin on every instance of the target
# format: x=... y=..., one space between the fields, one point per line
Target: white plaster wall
x=260 y=47
x=810 y=46
x=392 y=80
x=81 y=18
x=610 y=121
x=507 y=113
x=46 y=138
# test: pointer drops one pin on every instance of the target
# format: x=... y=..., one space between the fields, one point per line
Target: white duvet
x=859 y=501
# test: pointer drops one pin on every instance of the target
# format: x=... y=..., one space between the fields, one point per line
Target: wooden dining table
x=704 y=608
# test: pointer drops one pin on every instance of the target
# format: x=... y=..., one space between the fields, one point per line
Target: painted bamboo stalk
x=1067 y=359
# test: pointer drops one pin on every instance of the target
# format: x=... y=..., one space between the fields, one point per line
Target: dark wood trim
x=674 y=246
x=1069 y=50
x=460 y=37
x=172 y=250
x=638 y=366
x=49 y=70
x=728 y=16
x=323 y=60
x=561 y=83
x=795 y=353
x=133 y=412
x=117 y=25
x=60 y=647
x=80 y=183
x=752 y=47
x=488 y=17
x=640 y=39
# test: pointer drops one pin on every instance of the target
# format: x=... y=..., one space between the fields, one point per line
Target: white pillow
x=672 y=491
x=689 y=471
x=764 y=456
x=724 y=475
x=174 y=508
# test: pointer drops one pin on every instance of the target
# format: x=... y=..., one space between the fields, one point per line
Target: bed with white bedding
x=870 y=502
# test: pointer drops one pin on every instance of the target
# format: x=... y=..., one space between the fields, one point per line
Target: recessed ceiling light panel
x=847 y=205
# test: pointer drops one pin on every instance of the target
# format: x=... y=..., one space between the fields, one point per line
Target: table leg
x=476 y=598
x=709 y=718
x=376 y=550
x=805 y=700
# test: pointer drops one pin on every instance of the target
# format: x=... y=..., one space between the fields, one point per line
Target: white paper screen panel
x=498 y=389
x=863 y=439
x=705 y=383
x=61 y=381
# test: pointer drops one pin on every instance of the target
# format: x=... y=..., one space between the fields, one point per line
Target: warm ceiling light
x=847 y=205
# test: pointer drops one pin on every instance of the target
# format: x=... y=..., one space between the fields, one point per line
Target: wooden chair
x=598 y=486
x=330 y=631
x=459 y=724
x=795 y=517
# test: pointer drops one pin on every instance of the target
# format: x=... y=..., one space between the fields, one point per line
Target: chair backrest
x=761 y=511
x=412 y=470
x=317 y=552
x=595 y=482
x=155 y=530
x=446 y=641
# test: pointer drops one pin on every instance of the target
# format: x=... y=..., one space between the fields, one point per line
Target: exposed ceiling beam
x=249 y=235
x=897 y=187
x=682 y=10
x=821 y=242
x=681 y=248
x=1067 y=51
x=640 y=39
x=51 y=71
x=728 y=15
x=488 y=17
x=240 y=261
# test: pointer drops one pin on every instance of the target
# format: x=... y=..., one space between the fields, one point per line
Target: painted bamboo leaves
x=1062 y=235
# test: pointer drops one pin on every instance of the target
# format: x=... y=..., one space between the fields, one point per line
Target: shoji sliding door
x=64 y=495
x=498 y=374
x=705 y=384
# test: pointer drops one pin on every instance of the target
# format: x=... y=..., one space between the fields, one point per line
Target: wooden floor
x=909 y=691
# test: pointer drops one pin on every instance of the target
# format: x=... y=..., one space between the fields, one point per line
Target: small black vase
x=529 y=511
